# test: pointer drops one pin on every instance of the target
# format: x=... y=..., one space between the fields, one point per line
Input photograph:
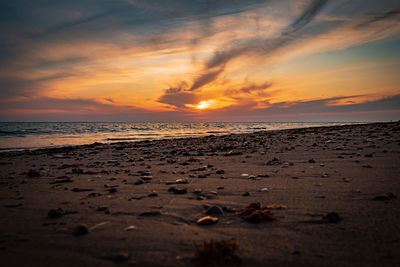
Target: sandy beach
x=328 y=196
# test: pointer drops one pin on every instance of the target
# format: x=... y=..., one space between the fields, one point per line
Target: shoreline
x=190 y=137
x=331 y=193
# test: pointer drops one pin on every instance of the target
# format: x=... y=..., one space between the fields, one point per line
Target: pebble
x=138 y=181
x=180 y=191
x=119 y=257
x=181 y=181
x=55 y=213
x=211 y=196
x=130 y=228
x=264 y=189
x=208 y=220
x=33 y=174
x=215 y=210
x=246 y=194
x=276 y=207
x=197 y=191
x=152 y=194
x=332 y=217
x=147 y=178
x=80 y=230
x=177 y=190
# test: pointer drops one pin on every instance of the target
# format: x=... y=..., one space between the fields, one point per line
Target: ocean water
x=32 y=135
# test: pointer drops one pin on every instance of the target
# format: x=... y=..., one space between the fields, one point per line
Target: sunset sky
x=199 y=60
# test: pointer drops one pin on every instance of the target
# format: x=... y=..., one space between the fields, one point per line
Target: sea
x=34 y=135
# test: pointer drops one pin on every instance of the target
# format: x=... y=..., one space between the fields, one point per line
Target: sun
x=205 y=104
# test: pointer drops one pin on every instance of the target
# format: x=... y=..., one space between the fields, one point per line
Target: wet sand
x=333 y=193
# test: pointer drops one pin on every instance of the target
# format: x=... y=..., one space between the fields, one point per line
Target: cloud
x=389 y=15
x=308 y=14
x=314 y=110
x=250 y=88
x=129 y=49
x=178 y=99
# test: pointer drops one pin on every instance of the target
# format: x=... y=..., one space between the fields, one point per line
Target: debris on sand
x=255 y=213
x=119 y=257
x=387 y=196
x=218 y=252
x=208 y=220
x=332 y=217
x=55 y=213
x=33 y=174
x=80 y=230
x=215 y=210
x=276 y=207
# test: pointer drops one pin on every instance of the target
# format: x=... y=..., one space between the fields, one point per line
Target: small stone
x=246 y=194
x=388 y=196
x=150 y=213
x=119 y=257
x=208 y=220
x=172 y=189
x=332 y=217
x=211 y=196
x=220 y=172
x=181 y=181
x=215 y=210
x=152 y=194
x=55 y=213
x=197 y=191
x=311 y=161
x=180 y=191
x=112 y=190
x=200 y=197
x=147 y=178
x=33 y=174
x=102 y=209
x=80 y=230
x=276 y=207
x=81 y=189
x=130 y=228
x=138 y=182
x=13 y=205
x=264 y=189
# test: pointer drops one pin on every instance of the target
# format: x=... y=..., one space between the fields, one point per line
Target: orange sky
x=264 y=60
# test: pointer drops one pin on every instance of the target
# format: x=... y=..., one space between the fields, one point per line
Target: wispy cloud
x=126 y=53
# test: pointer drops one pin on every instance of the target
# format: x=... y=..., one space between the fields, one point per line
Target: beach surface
x=328 y=196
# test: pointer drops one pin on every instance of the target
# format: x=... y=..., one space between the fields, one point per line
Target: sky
x=199 y=60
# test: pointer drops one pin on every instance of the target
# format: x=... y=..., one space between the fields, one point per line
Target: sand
x=304 y=176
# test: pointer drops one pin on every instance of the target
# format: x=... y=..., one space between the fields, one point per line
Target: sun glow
x=205 y=104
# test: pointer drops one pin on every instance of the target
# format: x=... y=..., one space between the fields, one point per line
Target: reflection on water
x=23 y=135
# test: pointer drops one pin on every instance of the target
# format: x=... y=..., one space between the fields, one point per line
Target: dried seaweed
x=255 y=213
x=217 y=252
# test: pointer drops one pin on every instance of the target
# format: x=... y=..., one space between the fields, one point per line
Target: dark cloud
x=261 y=47
x=206 y=78
x=179 y=99
x=389 y=15
x=315 y=110
x=308 y=14
x=37 y=109
x=255 y=87
x=12 y=86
